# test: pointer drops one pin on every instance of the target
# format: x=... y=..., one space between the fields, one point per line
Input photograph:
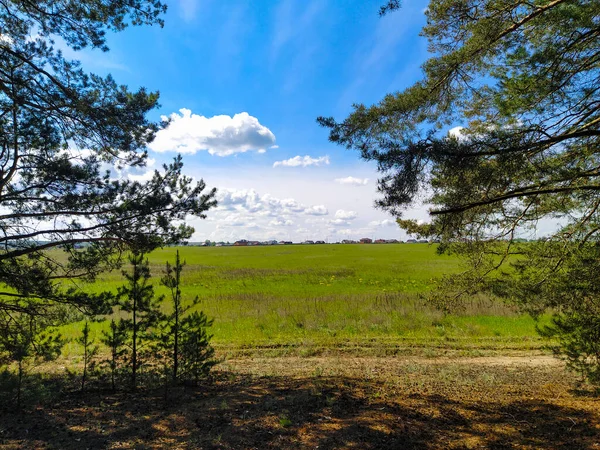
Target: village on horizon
x=247 y=243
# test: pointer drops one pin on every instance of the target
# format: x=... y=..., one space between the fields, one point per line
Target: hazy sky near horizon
x=243 y=83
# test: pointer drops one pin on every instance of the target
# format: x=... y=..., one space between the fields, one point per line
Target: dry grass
x=519 y=401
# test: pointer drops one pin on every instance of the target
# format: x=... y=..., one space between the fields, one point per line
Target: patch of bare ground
x=520 y=402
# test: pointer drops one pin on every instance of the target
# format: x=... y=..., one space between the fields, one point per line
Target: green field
x=309 y=299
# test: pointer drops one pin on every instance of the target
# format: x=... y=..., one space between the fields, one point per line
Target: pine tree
x=59 y=128
x=501 y=134
x=197 y=355
x=137 y=298
x=115 y=339
x=172 y=338
x=25 y=336
x=89 y=352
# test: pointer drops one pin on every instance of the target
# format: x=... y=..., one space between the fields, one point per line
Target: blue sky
x=244 y=82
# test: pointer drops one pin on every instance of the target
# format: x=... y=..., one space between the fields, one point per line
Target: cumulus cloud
x=382 y=223
x=279 y=222
x=318 y=210
x=142 y=178
x=248 y=200
x=457 y=133
x=315 y=220
x=219 y=135
x=345 y=215
x=230 y=198
x=234 y=220
x=303 y=161
x=343 y=218
x=353 y=181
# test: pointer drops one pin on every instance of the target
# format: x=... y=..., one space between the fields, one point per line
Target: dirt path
x=381 y=366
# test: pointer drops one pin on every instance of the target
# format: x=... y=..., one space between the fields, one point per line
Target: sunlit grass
x=323 y=295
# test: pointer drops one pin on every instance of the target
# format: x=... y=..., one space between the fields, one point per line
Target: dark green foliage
x=197 y=355
x=25 y=337
x=61 y=133
x=172 y=347
x=173 y=332
x=89 y=353
x=522 y=80
x=137 y=298
x=115 y=339
x=184 y=337
x=578 y=336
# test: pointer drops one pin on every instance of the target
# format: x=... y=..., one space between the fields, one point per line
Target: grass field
x=310 y=299
x=325 y=347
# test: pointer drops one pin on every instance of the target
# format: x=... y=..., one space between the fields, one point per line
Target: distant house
x=348 y=241
x=320 y=242
x=380 y=241
x=366 y=241
x=254 y=243
x=411 y=241
x=393 y=241
x=423 y=241
x=308 y=242
x=241 y=243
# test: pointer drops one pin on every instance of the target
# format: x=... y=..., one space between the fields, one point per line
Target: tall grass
x=326 y=294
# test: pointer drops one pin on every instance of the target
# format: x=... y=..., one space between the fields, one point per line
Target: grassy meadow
x=310 y=299
x=326 y=346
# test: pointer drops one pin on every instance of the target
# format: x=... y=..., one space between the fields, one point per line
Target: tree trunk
x=19 y=384
x=134 y=346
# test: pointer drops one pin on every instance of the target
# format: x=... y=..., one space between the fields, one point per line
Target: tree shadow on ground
x=241 y=412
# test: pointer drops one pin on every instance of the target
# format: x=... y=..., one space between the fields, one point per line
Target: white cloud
x=6 y=39
x=343 y=218
x=248 y=200
x=219 y=135
x=303 y=161
x=339 y=222
x=382 y=223
x=269 y=197
x=345 y=215
x=230 y=198
x=457 y=133
x=318 y=210
x=281 y=223
x=315 y=220
x=352 y=180
x=142 y=178
x=292 y=205
x=345 y=232
x=233 y=220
